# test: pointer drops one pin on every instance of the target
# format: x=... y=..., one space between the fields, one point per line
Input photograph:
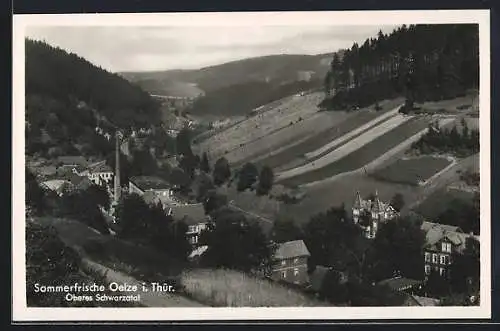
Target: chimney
x=117 y=190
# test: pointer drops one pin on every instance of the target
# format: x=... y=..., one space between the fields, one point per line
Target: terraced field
x=363 y=155
x=286 y=158
x=412 y=170
x=289 y=111
x=346 y=149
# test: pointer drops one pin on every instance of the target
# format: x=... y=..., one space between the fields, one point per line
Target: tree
x=398 y=202
x=132 y=216
x=99 y=195
x=204 y=186
x=235 y=243
x=285 y=230
x=183 y=143
x=204 y=165
x=48 y=261
x=398 y=249
x=214 y=201
x=179 y=179
x=266 y=178
x=465 y=269
x=35 y=195
x=222 y=171
x=247 y=176
x=332 y=289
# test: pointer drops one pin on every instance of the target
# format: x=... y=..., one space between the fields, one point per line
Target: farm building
x=290 y=263
x=368 y=214
x=100 y=173
x=142 y=184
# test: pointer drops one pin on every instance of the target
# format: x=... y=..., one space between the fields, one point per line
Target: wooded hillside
x=421 y=62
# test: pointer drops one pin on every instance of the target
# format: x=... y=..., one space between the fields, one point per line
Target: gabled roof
x=150 y=183
x=73 y=160
x=291 y=249
x=190 y=214
x=100 y=167
x=398 y=284
x=57 y=185
x=436 y=233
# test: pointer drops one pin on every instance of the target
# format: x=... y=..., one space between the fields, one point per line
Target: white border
x=21 y=313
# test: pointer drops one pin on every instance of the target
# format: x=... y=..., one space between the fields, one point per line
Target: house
x=290 y=263
x=369 y=214
x=193 y=215
x=100 y=173
x=59 y=186
x=441 y=243
x=142 y=184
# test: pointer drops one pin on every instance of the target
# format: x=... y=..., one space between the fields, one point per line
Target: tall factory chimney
x=117 y=188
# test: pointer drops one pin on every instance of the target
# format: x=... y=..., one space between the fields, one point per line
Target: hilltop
x=67 y=97
x=279 y=68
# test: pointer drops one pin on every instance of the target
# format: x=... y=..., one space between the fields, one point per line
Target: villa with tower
x=370 y=213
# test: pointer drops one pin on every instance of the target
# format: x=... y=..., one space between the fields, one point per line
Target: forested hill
x=421 y=62
x=277 y=68
x=67 y=97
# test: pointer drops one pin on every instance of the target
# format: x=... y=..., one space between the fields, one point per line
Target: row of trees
x=423 y=62
x=443 y=140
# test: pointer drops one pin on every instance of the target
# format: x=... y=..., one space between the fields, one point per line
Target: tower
x=117 y=188
x=356 y=208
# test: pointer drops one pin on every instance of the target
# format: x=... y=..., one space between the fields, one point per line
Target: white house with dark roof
x=100 y=173
x=193 y=215
x=143 y=184
x=370 y=214
x=441 y=243
x=290 y=263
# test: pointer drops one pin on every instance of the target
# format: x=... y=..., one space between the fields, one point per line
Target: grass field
x=364 y=155
x=228 y=288
x=437 y=202
x=412 y=170
x=342 y=191
x=322 y=138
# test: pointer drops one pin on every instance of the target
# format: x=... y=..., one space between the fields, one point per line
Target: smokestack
x=117 y=190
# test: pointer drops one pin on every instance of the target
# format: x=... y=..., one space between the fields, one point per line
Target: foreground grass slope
x=227 y=288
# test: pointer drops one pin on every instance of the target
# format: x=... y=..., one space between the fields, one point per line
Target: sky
x=132 y=48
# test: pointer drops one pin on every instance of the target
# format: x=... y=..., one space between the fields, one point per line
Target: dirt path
x=148 y=298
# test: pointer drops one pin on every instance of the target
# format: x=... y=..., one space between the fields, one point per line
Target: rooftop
x=398 y=284
x=291 y=249
x=72 y=160
x=150 y=183
x=190 y=214
x=100 y=167
x=436 y=232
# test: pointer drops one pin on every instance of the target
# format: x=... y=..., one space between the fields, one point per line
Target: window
x=446 y=247
x=296 y=260
x=283 y=262
x=427 y=269
x=442 y=259
x=295 y=271
x=441 y=271
x=283 y=274
x=427 y=257
x=434 y=258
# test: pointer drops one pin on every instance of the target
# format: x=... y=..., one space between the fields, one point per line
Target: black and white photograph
x=336 y=163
